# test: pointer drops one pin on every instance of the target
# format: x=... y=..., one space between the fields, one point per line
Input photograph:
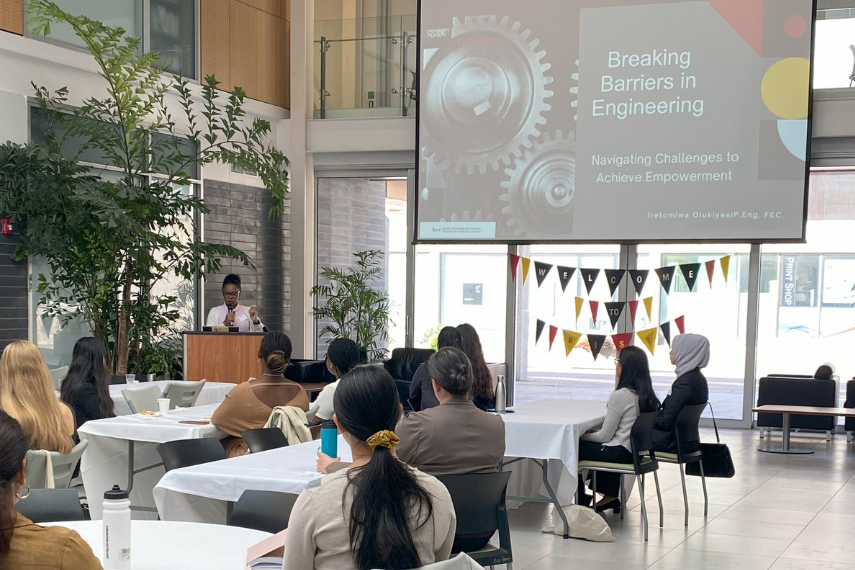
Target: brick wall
x=13 y=294
x=239 y=218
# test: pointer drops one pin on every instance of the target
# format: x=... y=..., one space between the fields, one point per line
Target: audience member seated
x=27 y=394
x=380 y=512
x=610 y=441
x=249 y=405
x=825 y=371
x=482 y=380
x=342 y=356
x=422 y=395
x=86 y=388
x=689 y=353
x=25 y=545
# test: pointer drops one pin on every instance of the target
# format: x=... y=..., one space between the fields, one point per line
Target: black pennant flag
x=690 y=274
x=666 y=332
x=541 y=270
x=589 y=276
x=595 y=341
x=666 y=276
x=614 y=276
x=564 y=275
x=639 y=278
x=539 y=330
x=615 y=310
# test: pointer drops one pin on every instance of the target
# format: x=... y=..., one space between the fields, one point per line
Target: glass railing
x=365 y=67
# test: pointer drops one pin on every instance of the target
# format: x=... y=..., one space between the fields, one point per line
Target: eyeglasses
x=231 y=295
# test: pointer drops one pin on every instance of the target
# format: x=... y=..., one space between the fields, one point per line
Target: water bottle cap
x=116 y=494
x=328 y=424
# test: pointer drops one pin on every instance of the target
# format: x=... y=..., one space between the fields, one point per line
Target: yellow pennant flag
x=648 y=305
x=579 y=302
x=526 y=262
x=570 y=340
x=725 y=264
x=648 y=337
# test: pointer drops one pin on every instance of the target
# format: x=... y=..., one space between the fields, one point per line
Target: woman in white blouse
x=610 y=442
x=342 y=356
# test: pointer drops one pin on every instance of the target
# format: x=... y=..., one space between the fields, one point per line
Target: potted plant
x=351 y=305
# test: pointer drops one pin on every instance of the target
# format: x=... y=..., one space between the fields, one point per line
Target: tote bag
x=716 y=458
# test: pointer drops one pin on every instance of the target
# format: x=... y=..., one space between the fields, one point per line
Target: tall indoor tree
x=110 y=234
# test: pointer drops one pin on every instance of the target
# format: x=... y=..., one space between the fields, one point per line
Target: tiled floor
x=784 y=512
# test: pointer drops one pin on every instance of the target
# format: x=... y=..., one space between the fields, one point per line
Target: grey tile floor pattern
x=780 y=512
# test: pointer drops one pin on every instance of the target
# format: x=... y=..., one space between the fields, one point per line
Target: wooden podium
x=221 y=357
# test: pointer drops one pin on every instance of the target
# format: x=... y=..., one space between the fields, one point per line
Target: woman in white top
x=610 y=442
x=231 y=313
x=342 y=356
x=378 y=513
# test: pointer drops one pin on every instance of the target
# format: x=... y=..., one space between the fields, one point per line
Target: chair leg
x=704 y=485
x=685 y=494
x=829 y=435
x=622 y=499
x=640 y=480
x=849 y=436
x=594 y=489
x=659 y=496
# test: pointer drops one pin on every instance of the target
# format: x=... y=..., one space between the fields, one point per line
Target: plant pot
x=117 y=379
x=146 y=377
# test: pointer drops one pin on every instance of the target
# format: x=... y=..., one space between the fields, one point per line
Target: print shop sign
x=788 y=282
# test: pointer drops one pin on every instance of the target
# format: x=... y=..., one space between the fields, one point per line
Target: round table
x=163 y=545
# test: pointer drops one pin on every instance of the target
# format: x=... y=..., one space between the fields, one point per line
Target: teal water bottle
x=329 y=438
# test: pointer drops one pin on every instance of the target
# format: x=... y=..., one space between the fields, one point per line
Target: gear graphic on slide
x=467 y=217
x=541 y=187
x=487 y=94
x=575 y=91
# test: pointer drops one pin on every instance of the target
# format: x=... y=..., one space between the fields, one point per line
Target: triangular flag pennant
x=595 y=341
x=594 y=306
x=666 y=332
x=552 y=332
x=648 y=305
x=710 y=269
x=666 y=276
x=579 y=302
x=648 y=337
x=639 y=278
x=570 y=340
x=690 y=274
x=526 y=262
x=541 y=270
x=564 y=275
x=622 y=340
x=613 y=277
x=681 y=324
x=539 y=330
x=633 y=307
x=515 y=262
x=614 y=310
x=589 y=277
x=725 y=265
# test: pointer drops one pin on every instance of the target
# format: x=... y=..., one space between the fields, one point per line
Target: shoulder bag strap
x=715 y=427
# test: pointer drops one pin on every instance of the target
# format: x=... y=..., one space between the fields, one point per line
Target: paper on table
x=270 y=547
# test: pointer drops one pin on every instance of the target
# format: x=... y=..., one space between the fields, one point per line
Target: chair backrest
x=58 y=375
x=64 y=465
x=478 y=499
x=183 y=394
x=142 y=399
x=405 y=362
x=188 y=452
x=686 y=429
x=641 y=438
x=262 y=439
x=267 y=511
x=51 y=505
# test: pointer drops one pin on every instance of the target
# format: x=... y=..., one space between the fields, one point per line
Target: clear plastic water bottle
x=501 y=395
x=117 y=529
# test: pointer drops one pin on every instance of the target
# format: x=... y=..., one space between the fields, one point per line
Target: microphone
x=229 y=305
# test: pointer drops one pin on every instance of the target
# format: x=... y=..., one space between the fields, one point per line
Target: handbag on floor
x=716 y=458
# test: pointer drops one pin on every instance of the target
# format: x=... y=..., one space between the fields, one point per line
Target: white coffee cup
x=163 y=405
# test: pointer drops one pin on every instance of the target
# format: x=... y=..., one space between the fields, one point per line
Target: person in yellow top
x=25 y=545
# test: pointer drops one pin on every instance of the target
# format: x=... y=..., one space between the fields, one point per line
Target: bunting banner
x=681 y=324
x=690 y=274
x=633 y=308
x=594 y=306
x=614 y=310
x=538 y=330
x=648 y=305
x=552 y=332
x=666 y=276
x=639 y=278
x=648 y=337
x=541 y=270
x=666 y=332
x=613 y=278
x=589 y=277
x=725 y=266
x=526 y=262
x=622 y=340
x=515 y=262
x=710 y=269
x=564 y=276
x=579 y=302
x=596 y=341
x=571 y=338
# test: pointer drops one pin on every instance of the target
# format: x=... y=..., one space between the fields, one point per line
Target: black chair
x=849 y=425
x=643 y=462
x=51 y=505
x=402 y=366
x=266 y=511
x=188 y=452
x=479 y=501
x=688 y=437
x=262 y=439
x=798 y=391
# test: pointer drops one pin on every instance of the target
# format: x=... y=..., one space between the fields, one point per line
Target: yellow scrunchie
x=385 y=438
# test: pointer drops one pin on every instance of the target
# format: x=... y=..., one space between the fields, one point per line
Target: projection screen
x=613 y=120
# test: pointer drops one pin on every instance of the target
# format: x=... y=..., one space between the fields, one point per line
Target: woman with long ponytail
x=379 y=513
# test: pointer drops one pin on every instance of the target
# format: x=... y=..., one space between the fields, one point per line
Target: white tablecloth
x=158 y=545
x=105 y=461
x=200 y=493
x=212 y=393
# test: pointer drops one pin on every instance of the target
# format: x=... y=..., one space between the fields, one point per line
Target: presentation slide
x=613 y=120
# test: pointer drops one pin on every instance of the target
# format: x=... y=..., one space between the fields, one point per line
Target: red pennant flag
x=622 y=340
x=594 y=306
x=681 y=325
x=515 y=263
x=633 y=307
x=710 y=269
x=552 y=332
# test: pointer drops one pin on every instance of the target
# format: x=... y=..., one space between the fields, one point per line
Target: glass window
x=172 y=30
x=125 y=14
x=834 y=58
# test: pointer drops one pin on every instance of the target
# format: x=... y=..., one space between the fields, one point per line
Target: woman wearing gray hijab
x=690 y=353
